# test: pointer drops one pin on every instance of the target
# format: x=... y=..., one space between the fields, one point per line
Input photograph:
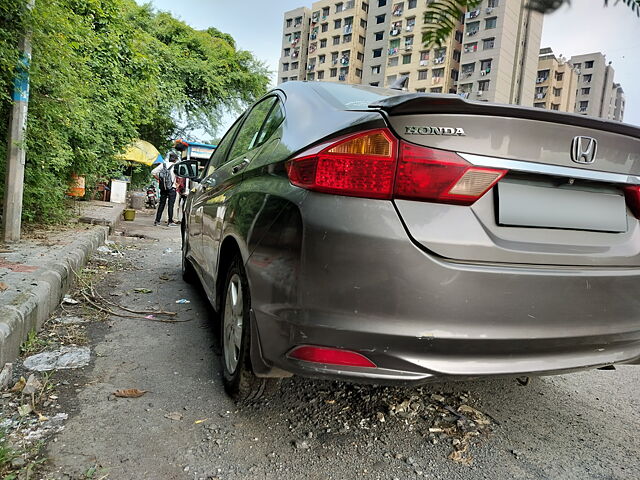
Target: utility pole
x=14 y=175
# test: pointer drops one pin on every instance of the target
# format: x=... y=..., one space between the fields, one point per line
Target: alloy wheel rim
x=233 y=323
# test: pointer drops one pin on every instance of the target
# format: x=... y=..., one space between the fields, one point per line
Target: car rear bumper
x=357 y=282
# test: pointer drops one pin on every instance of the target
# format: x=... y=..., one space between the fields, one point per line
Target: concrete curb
x=31 y=306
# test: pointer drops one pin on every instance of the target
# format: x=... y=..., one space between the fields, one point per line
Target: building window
x=466 y=87
x=363 y=23
x=586 y=91
x=334 y=57
x=365 y=7
x=337 y=23
x=559 y=76
x=539 y=105
x=555 y=106
x=379 y=35
x=472 y=28
x=325 y=27
x=488 y=43
x=557 y=92
x=339 y=7
x=493 y=3
x=358 y=73
x=588 y=64
x=490 y=23
x=584 y=104
x=393 y=61
x=289 y=22
x=322 y=58
x=374 y=84
x=422 y=74
x=336 y=40
x=380 y=18
x=346 y=38
x=483 y=85
x=586 y=78
x=421 y=90
x=333 y=72
x=391 y=79
x=298 y=22
x=321 y=75
x=294 y=66
x=285 y=67
x=577 y=65
x=382 y=3
x=412 y=4
x=284 y=79
x=287 y=52
x=325 y=12
x=471 y=47
x=406 y=59
x=485 y=67
x=375 y=70
x=311 y=76
x=436 y=90
x=468 y=69
x=323 y=43
x=362 y=40
x=377 y=52
x=459 y=36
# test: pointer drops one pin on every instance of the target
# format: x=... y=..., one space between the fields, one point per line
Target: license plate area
x=566 y=207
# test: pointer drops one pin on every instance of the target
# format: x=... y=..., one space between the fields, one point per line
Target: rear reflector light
x=374 y=164
x=330 y=356
x=632 y=195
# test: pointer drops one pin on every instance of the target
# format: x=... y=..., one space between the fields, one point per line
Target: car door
x=223 y=182
x=202 y=192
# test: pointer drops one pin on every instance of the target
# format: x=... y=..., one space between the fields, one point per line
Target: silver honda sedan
x=361 y=233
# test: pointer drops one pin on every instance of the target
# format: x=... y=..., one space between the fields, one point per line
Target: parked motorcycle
x=152 y=197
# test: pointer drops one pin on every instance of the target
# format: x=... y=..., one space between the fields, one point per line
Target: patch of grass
x=33 y=344
x=7 y=453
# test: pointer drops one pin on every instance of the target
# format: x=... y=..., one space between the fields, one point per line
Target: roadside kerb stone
x=38 y=293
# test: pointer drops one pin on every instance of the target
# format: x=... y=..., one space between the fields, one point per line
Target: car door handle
x=240 y=166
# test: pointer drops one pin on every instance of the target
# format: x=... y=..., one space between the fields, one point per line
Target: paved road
x=580 y=426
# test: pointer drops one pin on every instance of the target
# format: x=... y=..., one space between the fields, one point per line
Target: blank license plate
x=527 y=205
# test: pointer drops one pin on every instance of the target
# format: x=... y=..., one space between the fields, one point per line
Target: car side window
x=220 y=154
x=271 y=124
x=247 y=137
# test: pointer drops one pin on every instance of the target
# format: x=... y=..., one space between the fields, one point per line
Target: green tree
x=442 y=15
x=105 y=72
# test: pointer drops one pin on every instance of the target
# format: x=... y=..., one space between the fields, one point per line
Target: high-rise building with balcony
x=336 y=40
x=500 y=50
x=597 y=94
x=432 y=70
x=556 y=82
x=295 y=44
x=491 y=55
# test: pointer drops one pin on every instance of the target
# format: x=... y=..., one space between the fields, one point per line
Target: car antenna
x=400 y=83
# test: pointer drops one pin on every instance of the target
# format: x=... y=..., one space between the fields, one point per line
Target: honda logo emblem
x=584 y=149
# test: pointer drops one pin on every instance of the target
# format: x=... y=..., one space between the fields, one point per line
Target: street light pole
x=14 y=175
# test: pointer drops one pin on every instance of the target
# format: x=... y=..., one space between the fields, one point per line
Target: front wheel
x=239 y=380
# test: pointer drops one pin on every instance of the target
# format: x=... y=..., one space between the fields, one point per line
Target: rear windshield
x=352 y=97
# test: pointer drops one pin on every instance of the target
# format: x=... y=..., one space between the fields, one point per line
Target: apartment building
x=500 y=51
x=377 y=43
x=337 y=41
x=595 y=85
x=432 y=70
x=618 y=103
x=556 y=83
x=295 y=45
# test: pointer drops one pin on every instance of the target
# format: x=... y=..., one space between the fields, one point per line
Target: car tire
x=240 y=383
x=188 y=272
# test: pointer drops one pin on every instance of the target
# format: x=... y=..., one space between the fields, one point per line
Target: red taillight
x=361 y=165
x=374 y=164
x=632 y=195
x=330 y=356
x=441 y=176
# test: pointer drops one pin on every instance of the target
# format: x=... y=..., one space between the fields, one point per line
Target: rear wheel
x=239 y=380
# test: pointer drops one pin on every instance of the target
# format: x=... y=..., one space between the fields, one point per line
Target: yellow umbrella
x=142 y=152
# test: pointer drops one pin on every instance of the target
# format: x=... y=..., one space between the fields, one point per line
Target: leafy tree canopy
x=105 y=72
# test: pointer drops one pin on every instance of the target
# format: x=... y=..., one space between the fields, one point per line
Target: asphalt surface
x=578 y=426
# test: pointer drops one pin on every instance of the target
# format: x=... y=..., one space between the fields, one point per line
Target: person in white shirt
x=166 y=178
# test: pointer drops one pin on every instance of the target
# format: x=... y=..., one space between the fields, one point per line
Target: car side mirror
x=187 y=169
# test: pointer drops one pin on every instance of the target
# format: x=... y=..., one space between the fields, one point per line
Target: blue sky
x=584 y=27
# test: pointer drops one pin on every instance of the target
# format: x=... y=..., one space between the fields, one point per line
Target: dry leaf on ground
x=17 y=388
x=3 y=286
x=129 y=393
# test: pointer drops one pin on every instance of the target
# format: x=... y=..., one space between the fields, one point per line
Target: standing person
x=166 y=178
x=181 y=189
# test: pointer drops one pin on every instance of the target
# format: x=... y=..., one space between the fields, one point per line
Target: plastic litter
x=65 y=358
x=69 y=301
x=167 y=250
x=183 y=301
